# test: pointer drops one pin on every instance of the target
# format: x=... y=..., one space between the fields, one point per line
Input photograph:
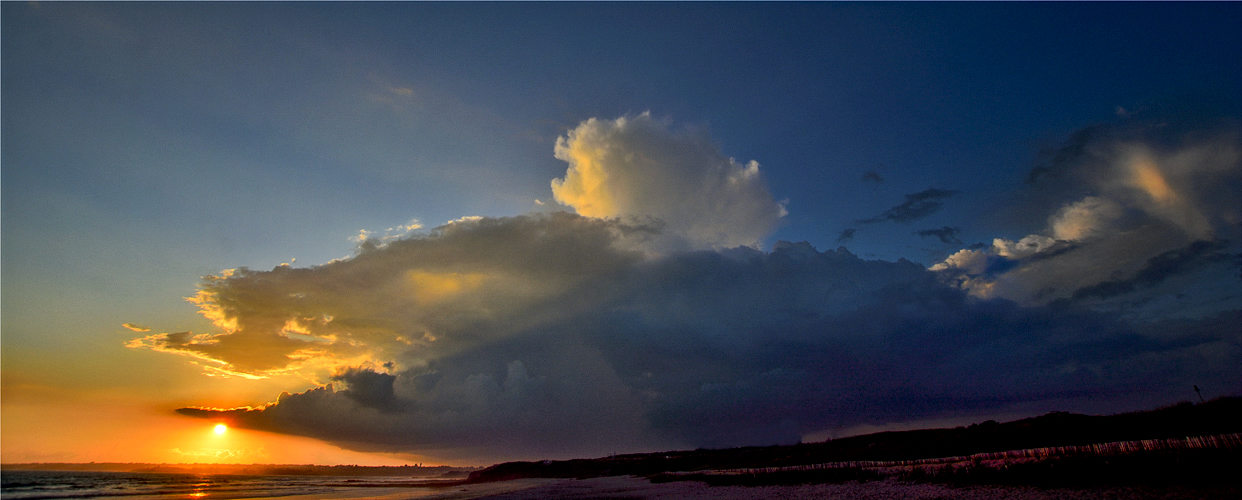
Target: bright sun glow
x=220 y=428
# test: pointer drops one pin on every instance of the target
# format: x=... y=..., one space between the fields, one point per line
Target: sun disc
x=220 y=428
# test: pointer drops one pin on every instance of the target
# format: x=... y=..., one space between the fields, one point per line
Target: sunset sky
x=461 y=233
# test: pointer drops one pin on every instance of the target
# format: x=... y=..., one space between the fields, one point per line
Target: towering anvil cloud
x=560 y=334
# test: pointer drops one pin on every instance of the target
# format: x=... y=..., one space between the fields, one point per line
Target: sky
x=462 y=233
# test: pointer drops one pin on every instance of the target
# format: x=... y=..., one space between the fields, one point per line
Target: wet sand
x=635 y=488
x=625 y=488
x=460 y=492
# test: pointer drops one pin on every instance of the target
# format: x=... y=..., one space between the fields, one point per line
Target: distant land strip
x=1222 y=441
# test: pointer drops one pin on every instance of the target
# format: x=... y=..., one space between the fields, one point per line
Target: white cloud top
x=637 y=167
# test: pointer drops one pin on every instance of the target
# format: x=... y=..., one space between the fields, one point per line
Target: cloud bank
x=561 y=335
x=520 y=348
x=1136 y=207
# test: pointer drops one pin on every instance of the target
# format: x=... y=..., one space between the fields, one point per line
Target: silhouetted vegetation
x=1057 y=429
x=1197 y=467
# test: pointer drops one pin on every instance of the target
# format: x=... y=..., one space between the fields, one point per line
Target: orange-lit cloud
x=403 y=300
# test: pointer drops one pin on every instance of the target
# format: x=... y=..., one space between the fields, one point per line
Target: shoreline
x=630 y=487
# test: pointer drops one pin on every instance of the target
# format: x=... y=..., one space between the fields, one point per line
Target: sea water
x=29 y=485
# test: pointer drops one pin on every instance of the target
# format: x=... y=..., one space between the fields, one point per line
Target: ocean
x=37 y=484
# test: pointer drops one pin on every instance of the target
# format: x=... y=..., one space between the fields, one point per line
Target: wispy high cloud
x=946 y=234
x=917 y=206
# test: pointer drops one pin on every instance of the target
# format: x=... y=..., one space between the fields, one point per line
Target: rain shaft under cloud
x=562 y=335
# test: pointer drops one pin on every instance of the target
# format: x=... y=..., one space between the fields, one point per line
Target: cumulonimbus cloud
x=549 y=336
x=639 y=167
x=560 y=335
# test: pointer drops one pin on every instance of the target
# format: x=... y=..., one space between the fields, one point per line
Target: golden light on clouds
x=585 y=186
x=432 y=288
x=1147 y=177
x=640 y=167
x=1147 y=203
x=1172 y=183
x=207 y=306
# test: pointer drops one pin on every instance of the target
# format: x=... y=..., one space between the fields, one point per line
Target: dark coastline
x=1056 y=452
x=1195 y=448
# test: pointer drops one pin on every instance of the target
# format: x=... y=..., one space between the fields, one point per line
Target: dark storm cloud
x=368 y=388
x=557 y=335
x=946 y=234
x=917 y=206
x=708 y=348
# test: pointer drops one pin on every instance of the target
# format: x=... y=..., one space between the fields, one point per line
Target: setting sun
x=505 y=249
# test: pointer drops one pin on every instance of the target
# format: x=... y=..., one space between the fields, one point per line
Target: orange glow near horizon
x=35 y=432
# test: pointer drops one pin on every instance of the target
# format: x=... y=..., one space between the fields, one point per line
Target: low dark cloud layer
x=697 y=349
x=560 y=335
x=917 y=206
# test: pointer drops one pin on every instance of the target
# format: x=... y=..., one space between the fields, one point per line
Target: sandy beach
x=629 y=487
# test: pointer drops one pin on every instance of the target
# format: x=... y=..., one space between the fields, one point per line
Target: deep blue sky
x=148 y=144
